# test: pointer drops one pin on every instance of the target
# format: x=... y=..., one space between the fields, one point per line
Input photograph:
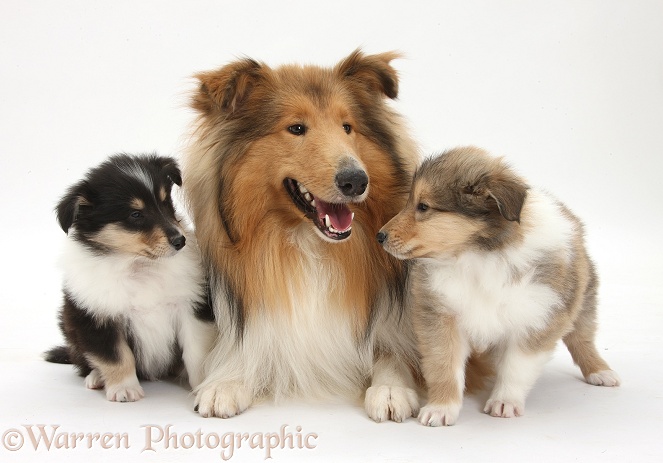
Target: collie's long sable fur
x=499 y=267
x=291 y=173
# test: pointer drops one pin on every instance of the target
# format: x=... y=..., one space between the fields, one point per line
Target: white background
x=571 y=92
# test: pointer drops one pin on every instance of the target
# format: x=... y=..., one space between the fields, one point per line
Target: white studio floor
x=570 y=92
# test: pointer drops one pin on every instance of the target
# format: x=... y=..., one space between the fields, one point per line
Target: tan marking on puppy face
x=162 y=194
x=152 y=244
x=460 y=199
x=425 y=229
x=138 y=204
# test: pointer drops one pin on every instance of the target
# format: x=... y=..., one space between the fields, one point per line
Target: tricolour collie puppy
x=291 y=173
x=135 y=295
x=497 y=266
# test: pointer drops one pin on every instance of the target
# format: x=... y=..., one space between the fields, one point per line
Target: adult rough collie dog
x=292 y=172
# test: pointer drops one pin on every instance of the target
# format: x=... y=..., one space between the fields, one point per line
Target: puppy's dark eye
x=347 y=128
x=136 y=215
x=422 y=207
x=297 y=129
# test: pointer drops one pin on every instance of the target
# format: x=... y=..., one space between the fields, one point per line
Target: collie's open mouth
x=334 y=220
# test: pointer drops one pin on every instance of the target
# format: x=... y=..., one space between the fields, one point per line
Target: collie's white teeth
x=333 y=230
x=302 y=189
x=353 y=216
x=308 y=196
x=313 y=202
x=327 y=221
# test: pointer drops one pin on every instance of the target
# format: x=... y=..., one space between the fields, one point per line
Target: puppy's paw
x=607 y=378
x=223 y=400
x=94 y=380
x=391 y=402
x=504 y=408
x=128 y=390
x=439 y=414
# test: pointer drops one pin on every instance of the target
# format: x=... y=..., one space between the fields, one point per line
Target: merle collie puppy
x=135 y=295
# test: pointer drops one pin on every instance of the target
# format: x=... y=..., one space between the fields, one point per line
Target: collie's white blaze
x=140 y=174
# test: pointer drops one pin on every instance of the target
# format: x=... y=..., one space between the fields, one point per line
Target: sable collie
x=135 y=296
x=290 y=175
x=497 y=266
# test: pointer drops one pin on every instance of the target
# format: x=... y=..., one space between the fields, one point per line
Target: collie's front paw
x=126 y=391
x=504 y=408
x=439 y=414
x=223 y=400
x=608 y=378
x=94 y=380
x=391 y=402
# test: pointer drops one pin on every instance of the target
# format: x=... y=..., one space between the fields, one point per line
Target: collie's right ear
x=509 y=192
x=226 y=89
x=68 y=208
x=371 y=72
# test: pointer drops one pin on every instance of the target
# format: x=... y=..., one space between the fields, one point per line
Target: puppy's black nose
x=352 y=182
x=382 y=237
x=178 y=242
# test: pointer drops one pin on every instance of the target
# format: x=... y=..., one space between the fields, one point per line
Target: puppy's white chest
x=116 y=285
x=492 y=306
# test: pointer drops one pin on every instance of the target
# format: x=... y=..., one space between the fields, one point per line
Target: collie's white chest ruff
x=308 y=348
x=497 y=295
x=150 y=297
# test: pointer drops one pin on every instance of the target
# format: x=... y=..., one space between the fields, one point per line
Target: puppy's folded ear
x=372 y=72
x=509 y=192
x=227 y=89
x=174 y=174
x=171 y=170
x=69 y=206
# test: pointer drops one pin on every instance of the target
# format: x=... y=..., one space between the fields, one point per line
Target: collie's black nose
x=178 y=242
x=382 y=237
x=352 y=182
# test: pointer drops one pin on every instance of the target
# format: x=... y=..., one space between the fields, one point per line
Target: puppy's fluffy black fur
x=135 y=298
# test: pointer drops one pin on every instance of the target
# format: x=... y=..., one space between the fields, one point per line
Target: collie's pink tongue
x=340 y=216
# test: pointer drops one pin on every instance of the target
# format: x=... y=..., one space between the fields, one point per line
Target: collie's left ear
x=372 y=72
x=172 y=171
x=68 y=208
x=509 y=192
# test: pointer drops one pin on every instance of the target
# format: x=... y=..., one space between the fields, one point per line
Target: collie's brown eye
x=136 y=214
x=347 y=128
x=422 y=207
x=297 y=129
